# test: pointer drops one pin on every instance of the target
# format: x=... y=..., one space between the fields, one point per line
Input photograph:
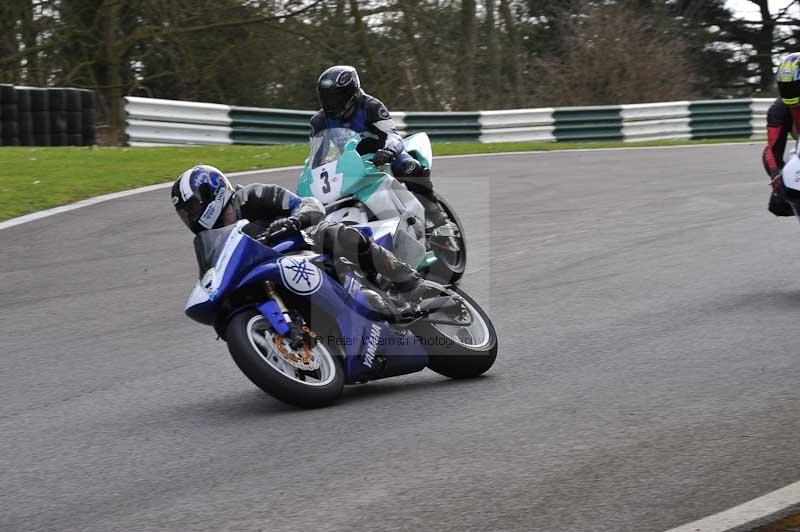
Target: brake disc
x=303 y=358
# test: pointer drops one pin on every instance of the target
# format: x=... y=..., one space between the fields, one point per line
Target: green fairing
x=304 y=184
x=357 y=181
x=360 y=180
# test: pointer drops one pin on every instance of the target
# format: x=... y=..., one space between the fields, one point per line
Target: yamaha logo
x=372 y=345
x=299 y=275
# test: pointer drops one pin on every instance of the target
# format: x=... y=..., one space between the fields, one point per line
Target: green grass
x=33 y=179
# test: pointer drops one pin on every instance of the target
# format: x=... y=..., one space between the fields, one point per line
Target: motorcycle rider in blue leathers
x=346 y=105
x=205 y=199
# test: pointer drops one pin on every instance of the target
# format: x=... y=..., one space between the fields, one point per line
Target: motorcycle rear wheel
x=459 y=352
x=251 y=342
x=450 y=266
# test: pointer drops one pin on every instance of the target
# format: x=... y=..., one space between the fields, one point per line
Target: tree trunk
x=513 y=55
x=431 y=101
x=412 y=88
x=492 y=57
x=763 y=46
x=107 y=68
x=361 y=35
x=466 y=67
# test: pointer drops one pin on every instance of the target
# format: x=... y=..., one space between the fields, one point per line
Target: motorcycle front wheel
x=309 y=377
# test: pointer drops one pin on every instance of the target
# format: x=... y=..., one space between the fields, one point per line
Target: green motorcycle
x=354 y=191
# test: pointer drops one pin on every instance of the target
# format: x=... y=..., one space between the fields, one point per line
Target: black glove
x=281 y=228
x=383 y=156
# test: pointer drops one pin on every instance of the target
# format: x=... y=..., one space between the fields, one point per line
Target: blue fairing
x=372 y=349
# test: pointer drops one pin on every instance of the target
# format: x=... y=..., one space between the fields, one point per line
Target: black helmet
x=200 y=195
x=337 y=88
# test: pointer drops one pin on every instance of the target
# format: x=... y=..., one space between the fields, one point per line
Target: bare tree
x=598 y=64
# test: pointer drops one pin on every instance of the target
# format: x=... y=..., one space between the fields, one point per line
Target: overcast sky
x=747 y=9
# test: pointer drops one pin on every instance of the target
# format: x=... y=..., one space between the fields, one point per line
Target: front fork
x=279 y=317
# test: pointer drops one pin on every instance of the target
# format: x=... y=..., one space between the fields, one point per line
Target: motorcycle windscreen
x=328 y=145
x=208 y=245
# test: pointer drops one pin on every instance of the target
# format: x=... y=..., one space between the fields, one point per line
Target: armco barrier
x=517 y=125
x=720 y=119
x=33 y=116
x=154 y=122
x=444 y=127
x=251 y=125
x=658 y=121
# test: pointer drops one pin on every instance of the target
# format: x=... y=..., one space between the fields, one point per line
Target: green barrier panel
x=264 y=135
x=588 y=123
x=445 y=127
x=252 y=125
x=720 y=119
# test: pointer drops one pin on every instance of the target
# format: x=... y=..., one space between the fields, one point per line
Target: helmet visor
x=334 y=101
x=790 y=92
x=190 y=212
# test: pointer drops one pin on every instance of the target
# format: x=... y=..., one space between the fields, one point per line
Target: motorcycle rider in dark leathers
x=205 y=199
x=783 y=118
x=346 y=105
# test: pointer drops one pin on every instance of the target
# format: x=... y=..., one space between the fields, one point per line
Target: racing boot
x=418 y=181
x=406 y=286
x=779 y=207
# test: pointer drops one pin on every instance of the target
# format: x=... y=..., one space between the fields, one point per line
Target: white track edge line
x=580 y=150
x=747 y=512
x=116 y=195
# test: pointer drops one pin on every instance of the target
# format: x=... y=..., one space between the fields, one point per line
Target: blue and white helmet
x=200 y=195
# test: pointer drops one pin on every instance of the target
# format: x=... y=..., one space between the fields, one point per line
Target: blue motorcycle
x=300 y=325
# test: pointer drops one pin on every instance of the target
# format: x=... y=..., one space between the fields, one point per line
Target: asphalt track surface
x=647 y=306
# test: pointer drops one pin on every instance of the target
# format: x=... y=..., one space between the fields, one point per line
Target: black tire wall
x=10 y=116
x=32 y=116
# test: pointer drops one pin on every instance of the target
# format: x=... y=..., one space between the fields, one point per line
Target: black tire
x=25 y=124
x=453 y=360
x=89 y=138
x=58 y=122
x=7 y=94
x=440 y=271
x=41 y=140
x=271 y=380
x=23 y=99
x=75 y=140
x=26 y=129
x=73 y=100
x=87 y=99
x=40 y=100
x=41 y=123
x=57 y=99
x=10 y=112
x=59 y=139
x=74 y=122
x=10 y=129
